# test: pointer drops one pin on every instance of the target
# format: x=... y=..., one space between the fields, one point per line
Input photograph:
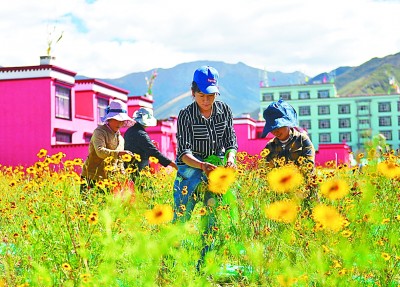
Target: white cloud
x=111 y=38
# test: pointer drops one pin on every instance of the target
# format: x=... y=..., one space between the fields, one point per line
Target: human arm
x=308 y=151
x=145 y=143
x=106 y=144
x=230 y=140
x=192 y=161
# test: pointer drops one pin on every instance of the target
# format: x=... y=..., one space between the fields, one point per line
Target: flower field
x=333 y=226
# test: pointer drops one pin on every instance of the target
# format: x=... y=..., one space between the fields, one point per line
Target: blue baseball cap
x=206 y=78
x=279 y=114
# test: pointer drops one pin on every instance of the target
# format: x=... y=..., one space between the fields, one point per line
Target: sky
x=113 y=38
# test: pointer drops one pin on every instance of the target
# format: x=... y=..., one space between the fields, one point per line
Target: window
x=323 y=94
x=267 y=97
x=101 y=108
x=323 y=110
x=87 y=137
x=384 y=107
x=284 y=96
x=305 y=124
x=344 y=109
x=304 y=111
x=63 y=137
x=344 y=123
x=364 y=109
x=325 y=138
x=398 y=120
x=387 y=134
x=385 y=121
x=364 y=123
x=398 y=106
x=304 y=95
x=345 y=137
x=84 y=105
x=324 y=124
x=63 y=103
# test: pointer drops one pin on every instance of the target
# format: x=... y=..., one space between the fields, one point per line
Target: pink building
x=46 y=107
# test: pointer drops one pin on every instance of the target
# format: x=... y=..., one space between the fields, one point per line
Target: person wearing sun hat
x=289 y=142
x=205 y=139
x=138 y=142
x=105 y=142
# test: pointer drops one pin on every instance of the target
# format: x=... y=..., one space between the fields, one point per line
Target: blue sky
x=112 y=38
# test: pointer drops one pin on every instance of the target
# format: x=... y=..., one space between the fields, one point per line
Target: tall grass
x=341 y=225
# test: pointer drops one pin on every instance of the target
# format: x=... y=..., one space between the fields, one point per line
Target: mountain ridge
x=239 y=83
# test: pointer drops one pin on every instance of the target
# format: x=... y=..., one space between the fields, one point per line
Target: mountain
x=376 y=76
x=239 y=83
x=239 y=86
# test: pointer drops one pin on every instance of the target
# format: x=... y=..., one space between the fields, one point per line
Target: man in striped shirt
x=205 y=129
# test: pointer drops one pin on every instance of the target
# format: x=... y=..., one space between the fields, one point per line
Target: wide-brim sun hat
x=118 y=110
x=279 y=114
x=206 y=78
x=145 y=117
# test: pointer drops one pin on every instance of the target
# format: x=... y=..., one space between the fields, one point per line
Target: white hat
x=118 y=110
x=145 y=117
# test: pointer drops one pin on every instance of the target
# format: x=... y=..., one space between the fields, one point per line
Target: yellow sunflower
x=328 y=217
x=126 y=157
x=284 y=179
x=42 y=153
x=93 y=218
x=335 y=188
x=66 y=267
x=220 y=179
x=161 y=213
x=283 y=211
x=389 y=169
x=153 y=159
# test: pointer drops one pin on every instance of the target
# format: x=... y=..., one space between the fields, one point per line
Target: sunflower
x=161 y=213
x=389 y=169
x=283 y=211
x=137 y=157
x=265 y=152
x=93 y=218
x=42 y=153
x=126 y=157
x=220 y=179
x=385 y=256
x=335 y=188
x=284 y=179
x=328 y=217
x=66 y=267
x=152 y=159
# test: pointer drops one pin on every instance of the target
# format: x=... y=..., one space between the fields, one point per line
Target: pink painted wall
x=28 y=120
x=332 y=152
x=25 y=121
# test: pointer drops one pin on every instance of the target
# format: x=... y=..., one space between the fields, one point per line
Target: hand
x=173 y=164
x=231 y=163
x=122 y=152
x=208 y=167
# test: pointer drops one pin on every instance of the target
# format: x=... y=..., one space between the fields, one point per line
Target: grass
x=275 y=228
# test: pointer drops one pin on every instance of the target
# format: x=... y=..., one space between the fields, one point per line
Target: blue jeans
x=187 y=194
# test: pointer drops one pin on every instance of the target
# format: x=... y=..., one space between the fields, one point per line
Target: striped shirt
x=204 y=137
